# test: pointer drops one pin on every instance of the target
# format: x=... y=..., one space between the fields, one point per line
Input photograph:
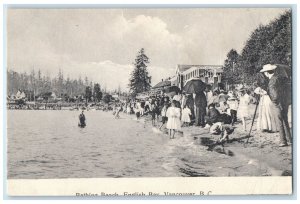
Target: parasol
x=194 y=86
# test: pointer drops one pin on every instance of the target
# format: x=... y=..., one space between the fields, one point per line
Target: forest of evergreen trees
x=38 y=85
x=268 y=44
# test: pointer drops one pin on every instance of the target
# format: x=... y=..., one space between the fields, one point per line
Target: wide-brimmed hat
x=268 y=67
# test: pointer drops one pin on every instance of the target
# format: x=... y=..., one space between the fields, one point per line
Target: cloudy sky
x=102 y=43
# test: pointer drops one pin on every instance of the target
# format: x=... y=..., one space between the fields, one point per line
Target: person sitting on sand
x=213 y=115
x=82 y=120
x=173 y=124
x=224 y=131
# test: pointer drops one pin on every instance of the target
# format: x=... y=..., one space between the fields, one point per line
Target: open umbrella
x=194 y=86
x=172 y=89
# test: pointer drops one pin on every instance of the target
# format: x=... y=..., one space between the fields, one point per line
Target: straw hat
x=268 y=67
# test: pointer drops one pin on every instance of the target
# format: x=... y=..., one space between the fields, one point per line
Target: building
x=163 y=84
x=173 y=81
x=210 y=74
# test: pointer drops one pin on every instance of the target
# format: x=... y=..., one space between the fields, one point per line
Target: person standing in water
x=118 y=110
x=82 y=120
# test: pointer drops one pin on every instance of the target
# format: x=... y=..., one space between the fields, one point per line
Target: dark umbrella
x=172 y=89
x=194 y=86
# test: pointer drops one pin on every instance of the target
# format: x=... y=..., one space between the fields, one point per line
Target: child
x=164 y=117
x=137 y=111
x=153 y=112
x=243 y=107
x=221 y=129
x=173 y=114
x=186 y=114
x=118 y=110
x=233 y=106
x=128 y=110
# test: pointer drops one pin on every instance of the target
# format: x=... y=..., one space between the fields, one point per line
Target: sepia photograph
x=149 y=93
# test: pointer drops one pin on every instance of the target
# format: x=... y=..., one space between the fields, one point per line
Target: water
x=49 y=144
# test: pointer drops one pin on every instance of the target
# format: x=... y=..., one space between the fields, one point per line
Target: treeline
x=269 y=44
x=39 y=85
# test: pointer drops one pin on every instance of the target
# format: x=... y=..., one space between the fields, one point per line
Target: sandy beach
x=257 y=156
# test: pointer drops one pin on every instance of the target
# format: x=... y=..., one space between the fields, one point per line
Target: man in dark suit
x=200 y=103
x=278 y=96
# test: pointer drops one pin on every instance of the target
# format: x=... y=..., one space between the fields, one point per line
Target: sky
x=103 y=43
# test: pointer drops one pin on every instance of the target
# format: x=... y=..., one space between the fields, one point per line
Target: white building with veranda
x=210 y=74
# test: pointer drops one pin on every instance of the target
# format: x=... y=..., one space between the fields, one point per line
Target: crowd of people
x=218 y=110
x=214 y=109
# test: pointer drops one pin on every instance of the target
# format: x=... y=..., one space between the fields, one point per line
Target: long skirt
x=266 y=119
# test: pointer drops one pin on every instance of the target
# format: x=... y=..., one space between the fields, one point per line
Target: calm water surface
x=49 y=144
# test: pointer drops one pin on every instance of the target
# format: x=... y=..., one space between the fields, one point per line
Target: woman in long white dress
x=265 y=120
x=173 y=114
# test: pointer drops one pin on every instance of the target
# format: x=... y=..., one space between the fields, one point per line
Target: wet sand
x=260 y=156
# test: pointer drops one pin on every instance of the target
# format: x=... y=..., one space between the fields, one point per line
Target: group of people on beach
x=208 y=109
x=219 y=110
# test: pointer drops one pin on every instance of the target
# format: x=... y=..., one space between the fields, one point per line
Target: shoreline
x=190 y=153
x=261 y=156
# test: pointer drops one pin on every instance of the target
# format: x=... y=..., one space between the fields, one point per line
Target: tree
x=231 y=69
x=97 y=92
x=88 y=94
x=36 y=85
x=39 y=82
x=140 y=81
x=267 y=44
x=86 y=81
